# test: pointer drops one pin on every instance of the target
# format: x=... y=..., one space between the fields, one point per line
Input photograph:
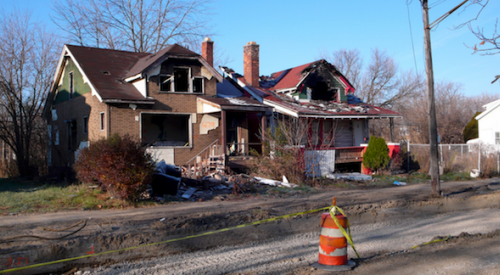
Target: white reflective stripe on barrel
x=330 y=232
x=337 y=252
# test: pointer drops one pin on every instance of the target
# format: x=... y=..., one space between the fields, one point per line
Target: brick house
x=323 y=98
x=169 y=100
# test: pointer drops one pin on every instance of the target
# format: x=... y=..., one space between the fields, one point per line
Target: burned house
x=168 y=100
x=320 y=96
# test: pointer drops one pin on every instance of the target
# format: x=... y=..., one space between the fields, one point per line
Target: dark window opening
x=102 y=122
x=71 y=85
x=322 y=92
x=165 y=129
x=198 y=85
x=72 y=135
x=86 y=125
x=181 y=79
x=165 y=83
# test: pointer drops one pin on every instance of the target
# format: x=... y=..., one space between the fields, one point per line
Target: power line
x=411 y=36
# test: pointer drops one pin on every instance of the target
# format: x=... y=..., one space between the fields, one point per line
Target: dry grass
x=22 y=196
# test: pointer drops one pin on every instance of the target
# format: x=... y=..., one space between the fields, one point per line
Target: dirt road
x=294 y=254
x=109 y=230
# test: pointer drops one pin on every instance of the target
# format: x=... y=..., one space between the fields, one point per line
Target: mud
x=111 y=230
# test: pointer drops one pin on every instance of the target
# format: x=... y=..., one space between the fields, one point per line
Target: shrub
x=119 y=164
x=376 y=156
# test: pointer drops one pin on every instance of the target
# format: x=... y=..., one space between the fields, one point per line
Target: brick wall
x=75 y=109
x=251 y=63
x=123 y=119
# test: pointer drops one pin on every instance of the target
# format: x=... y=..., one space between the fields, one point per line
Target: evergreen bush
x=118 y=164
x=376 y=156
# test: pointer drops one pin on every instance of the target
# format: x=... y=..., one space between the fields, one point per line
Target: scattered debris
x=275 y=182
x=399 y=183
x=189 y=193
x=350 y=176
x=474 y=173
x=162 y=219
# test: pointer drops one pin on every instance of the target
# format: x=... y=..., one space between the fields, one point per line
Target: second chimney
x=207 y=51
x=251 y=63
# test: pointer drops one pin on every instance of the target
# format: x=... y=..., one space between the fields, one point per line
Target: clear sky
x=293 y=32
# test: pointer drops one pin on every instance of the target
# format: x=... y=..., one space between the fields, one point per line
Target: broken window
x=198 y=85
x=72 y=135
x=165 y=83
x=181 y=79
x=165 y=129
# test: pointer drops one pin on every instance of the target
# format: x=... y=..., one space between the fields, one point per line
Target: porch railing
x=212 y=157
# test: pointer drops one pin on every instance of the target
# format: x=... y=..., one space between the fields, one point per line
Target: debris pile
x=168 y=184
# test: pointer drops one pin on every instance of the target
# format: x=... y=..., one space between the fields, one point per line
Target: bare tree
x=348 y=62
x=133 y=25
x=381 y=83
x=27 y=60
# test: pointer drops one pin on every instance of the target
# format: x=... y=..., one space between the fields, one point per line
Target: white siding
x=489 y=125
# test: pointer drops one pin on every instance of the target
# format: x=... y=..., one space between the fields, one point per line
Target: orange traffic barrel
x=332 y=243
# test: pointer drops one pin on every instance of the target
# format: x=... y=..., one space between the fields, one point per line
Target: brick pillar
x=207 y=51
x=251 y=63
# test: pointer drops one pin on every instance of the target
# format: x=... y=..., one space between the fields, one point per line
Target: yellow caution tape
x=167 y=241
x=348 y=236
x=434 y=241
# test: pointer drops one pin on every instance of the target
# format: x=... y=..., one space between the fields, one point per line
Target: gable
x=63 y=87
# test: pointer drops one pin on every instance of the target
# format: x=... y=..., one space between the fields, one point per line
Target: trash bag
x=164 y=184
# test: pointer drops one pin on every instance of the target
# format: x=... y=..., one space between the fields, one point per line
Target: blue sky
x=291 y=33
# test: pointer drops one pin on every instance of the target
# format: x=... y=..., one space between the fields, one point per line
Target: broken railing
x=212 y=157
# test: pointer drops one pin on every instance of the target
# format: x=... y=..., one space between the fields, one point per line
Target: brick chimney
x=251 y=63
x=207 y=51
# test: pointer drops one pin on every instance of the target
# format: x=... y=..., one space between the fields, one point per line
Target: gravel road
x=282 y=255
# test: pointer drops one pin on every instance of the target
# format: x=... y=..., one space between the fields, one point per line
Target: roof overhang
x=128 y=101
x=205 y=106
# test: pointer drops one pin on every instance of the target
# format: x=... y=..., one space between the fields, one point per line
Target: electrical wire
x=411 y=36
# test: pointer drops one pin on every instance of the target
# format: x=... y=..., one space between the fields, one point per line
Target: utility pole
x=431 y=106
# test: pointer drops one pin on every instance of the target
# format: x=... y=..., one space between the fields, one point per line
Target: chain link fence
x=455 y=157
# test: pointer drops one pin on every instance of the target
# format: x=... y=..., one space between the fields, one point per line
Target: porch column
x=223 y=132
x=263 y=130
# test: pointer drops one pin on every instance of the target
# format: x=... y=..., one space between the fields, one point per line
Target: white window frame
x=171 y=78
x=202 y=84
x=190 y=127
x=102 y=121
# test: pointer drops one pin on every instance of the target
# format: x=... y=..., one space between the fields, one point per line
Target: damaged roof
x=291 y=78
x=236 y=103
x=329 y=109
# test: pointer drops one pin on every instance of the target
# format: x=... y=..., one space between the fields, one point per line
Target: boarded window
x=165 y=129
x=181 y=79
